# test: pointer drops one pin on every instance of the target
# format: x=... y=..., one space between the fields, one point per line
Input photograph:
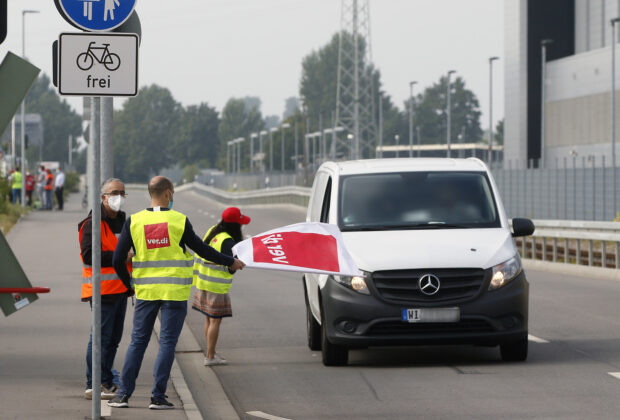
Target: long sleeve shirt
x=189 y=240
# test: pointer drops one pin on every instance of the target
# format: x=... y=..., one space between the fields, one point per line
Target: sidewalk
x=42 y=346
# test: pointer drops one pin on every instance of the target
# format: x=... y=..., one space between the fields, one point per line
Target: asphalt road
x=272 y=370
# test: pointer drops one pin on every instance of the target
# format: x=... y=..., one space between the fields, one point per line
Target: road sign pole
x=107 y=146
x=96 y=258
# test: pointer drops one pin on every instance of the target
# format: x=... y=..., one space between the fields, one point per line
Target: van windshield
x=417 y=200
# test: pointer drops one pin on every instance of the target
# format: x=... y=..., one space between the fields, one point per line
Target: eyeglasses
x=116 y=192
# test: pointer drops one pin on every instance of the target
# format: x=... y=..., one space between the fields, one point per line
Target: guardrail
x=553 y=240
x=283 y=195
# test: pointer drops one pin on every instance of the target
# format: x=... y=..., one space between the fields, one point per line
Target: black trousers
x=59 y=197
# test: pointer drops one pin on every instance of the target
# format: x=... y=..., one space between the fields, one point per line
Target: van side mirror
x=522 y=227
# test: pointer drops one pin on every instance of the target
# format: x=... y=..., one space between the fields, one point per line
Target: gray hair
x=107 y=182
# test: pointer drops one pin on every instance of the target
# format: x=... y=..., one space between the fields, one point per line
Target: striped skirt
x=214 y=305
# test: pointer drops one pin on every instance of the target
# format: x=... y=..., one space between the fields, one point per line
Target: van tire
x=313 y=329
x=333 y=355
x=514 y=351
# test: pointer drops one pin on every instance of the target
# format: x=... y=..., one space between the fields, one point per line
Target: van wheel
x=514 y=351
x=314 y=330
x=333 y=355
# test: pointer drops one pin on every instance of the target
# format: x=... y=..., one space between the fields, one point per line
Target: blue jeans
x=112 y=320
x=49 y=200
x=172 y=317
x=16 y=195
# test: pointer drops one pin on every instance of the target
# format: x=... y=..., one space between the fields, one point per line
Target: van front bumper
x=356 y=320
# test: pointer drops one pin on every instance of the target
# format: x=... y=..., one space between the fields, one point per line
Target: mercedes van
x=439 y=262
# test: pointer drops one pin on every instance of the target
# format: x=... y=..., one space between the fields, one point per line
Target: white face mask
x=116 y=202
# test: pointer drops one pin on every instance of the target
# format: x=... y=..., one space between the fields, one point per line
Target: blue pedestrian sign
x=98 y=15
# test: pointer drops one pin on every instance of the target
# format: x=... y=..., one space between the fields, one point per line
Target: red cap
x=233 y=215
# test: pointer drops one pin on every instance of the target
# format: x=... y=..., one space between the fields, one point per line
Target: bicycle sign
x=98 y=64
x=110 y=60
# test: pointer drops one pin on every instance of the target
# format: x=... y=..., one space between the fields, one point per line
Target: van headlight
x=505 y=272
x=357 y=283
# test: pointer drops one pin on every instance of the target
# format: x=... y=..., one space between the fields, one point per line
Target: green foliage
x=430 y=113
x=143 y=132
x=498 y=135
x=5 y=191
x=59 y=120
x=238 y=120
x=197 y=139
x=190 y=172
x=72 y=182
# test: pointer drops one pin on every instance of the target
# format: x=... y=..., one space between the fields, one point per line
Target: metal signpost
x=97 y=64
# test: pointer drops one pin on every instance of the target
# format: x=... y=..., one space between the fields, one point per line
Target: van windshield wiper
x=412 y=226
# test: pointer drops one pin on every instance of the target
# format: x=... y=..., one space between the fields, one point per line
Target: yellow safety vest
x=162 y=270
x=17 y=180
x=209 y=276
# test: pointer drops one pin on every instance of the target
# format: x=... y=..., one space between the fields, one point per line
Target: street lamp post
x=239 y=141
x=228 y=156
x=260 y=141
x=283 y=127
x=252 y=137
x=613 y=110
x=449 y=112
x=271 y=131
x=411 y=84
x=23 y=122
x=397 y=140
x=490 y=157
x=543 y=85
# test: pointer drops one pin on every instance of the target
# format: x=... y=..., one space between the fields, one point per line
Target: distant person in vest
x=162 y=278
x=30 y=183
x=49 y=187
x=114 y=292
x=16 y=186
x=214 y=281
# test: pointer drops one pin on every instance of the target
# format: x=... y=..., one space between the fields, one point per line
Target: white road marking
x=262 y=415
x=615 y=374
x=536 y=339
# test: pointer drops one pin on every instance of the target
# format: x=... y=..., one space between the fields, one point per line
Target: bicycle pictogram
x=102 y=55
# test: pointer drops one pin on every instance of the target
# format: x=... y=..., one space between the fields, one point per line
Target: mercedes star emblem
x=429 y=284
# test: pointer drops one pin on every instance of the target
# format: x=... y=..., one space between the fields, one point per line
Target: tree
x=238 y=120
x=499 y=133
x=197 y=139
x=59 y=121
x=430 y=113
x=142 y=134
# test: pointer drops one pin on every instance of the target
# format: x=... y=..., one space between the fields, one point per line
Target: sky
x=212 y=50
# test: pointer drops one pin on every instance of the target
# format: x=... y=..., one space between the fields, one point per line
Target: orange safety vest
x=110 y=283
x=49 y=185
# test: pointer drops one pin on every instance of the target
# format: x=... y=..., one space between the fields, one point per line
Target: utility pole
x=107 y=145
x=543 y=88
x=490 y=157
x=411 y=84
x=613 y=111
x=449 y=112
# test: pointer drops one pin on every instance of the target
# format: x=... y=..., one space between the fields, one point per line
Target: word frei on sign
x=302 y=247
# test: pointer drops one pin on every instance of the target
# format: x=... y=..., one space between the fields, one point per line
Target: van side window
x=326 y=201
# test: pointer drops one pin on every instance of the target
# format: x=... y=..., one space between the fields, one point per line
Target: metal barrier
x=283 y=195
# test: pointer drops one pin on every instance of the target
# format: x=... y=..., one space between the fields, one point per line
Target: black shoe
x=160 y=404
x=119 y=401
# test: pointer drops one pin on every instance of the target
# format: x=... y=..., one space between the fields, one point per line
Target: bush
x=5 y=192
x=72 y=182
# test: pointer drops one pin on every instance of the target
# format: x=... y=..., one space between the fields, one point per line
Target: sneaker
x=108 y=392
x=88 y=394
x=160 y=404
x=119 y=401
x=217 y=360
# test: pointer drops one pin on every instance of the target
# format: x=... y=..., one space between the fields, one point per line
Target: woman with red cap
x=214 y=281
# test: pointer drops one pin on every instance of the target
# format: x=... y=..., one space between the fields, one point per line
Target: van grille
x=402 y=285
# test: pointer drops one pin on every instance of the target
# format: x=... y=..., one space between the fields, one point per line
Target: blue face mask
x=170 y=203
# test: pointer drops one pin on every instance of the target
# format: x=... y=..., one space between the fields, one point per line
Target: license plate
x=431 y=315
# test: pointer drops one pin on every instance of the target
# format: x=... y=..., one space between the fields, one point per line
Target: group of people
x=45 y=184
x=146 y=255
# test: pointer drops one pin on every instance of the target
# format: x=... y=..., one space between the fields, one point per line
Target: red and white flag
x=302 y=247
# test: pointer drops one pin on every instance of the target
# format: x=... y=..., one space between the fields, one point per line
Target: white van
x=439 y=259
